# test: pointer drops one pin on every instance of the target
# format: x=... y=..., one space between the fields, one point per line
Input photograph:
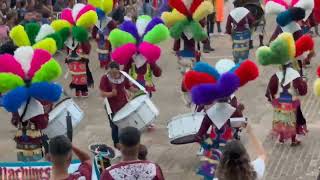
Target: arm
x=106 y=90
x=156 y=70
x=239 y=108
x=94 y=32
x=159 y=173
x=112 y=25
x=229 y=25
x=83 y=157
x=251 y=20
x=205 y=125
x=108 y=94
x=176 y=45
x=301 y=86
x=256 y=143
x=203 y=22
x=272 y=88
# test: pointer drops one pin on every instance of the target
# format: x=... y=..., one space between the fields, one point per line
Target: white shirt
x=259 y=166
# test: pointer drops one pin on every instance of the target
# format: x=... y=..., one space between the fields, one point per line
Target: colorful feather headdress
x=208 y=84
x=140 y=38
x=185 y=18
x=290 y=15
x=39 y=37
x=278 y=6
x=103 y=7
x=28 y=73
x=78 y=20
x=284 y=49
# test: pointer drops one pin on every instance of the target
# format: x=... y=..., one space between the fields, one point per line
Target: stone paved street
x=179 y=162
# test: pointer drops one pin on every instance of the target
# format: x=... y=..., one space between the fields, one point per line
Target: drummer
x=113 y=86
x=239 y=23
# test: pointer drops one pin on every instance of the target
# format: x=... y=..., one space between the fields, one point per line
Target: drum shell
x=183 y=128
x=143 y=114
x=57 y=118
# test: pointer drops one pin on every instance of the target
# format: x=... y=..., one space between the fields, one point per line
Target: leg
x=294 y=141
x=261 y=40
x=208 y=25
x=114 y=133
x=84 y=91
x=207 y=47
x=219 y=27
x=78 y=91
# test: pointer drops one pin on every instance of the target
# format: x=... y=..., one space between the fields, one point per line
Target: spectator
x=235 y=162
x=60 y=154
x=21 y=9
x=131 y=167
x=146 y=8
x=30 y=5
x=4 y=31
x=119 y=13
x=59 y=5
x=12 y=18
x=28 y=17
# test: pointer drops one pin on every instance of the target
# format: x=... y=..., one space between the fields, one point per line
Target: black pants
x=82 y=88
x=210 y=23
x=114 y=131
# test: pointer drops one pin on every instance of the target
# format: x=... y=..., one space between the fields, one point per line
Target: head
x=121 y=3
x=8 y=48
x=60 y=151
x=130 y=142
x=114 y=69
x=29 y=16
x=235 y=163
x=143 y=152
x=238 y=3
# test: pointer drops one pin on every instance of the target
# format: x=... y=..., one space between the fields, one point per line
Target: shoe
x=200 y=152
x=85 y=94
x=205 y=50
x=295 y=143
x=78 y=93
x=251 y=44
x=281 y=141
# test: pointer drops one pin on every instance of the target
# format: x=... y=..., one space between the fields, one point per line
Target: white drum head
x=183 y=128
x=129 y=108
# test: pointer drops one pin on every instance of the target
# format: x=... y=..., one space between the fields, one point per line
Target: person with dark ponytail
x=235 y=163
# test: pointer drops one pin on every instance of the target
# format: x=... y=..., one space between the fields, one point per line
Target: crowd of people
x=127 y=34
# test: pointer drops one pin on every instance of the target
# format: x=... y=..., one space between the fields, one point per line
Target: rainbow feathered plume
x=140 y=38
x=28 y=73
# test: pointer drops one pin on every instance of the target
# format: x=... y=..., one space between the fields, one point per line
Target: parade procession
x=159 y=89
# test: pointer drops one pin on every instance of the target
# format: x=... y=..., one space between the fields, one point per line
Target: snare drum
x=57 y=117
x=182 y=128
x=139 y=113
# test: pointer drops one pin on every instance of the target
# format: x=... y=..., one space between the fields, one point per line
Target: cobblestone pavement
x=180 y=162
